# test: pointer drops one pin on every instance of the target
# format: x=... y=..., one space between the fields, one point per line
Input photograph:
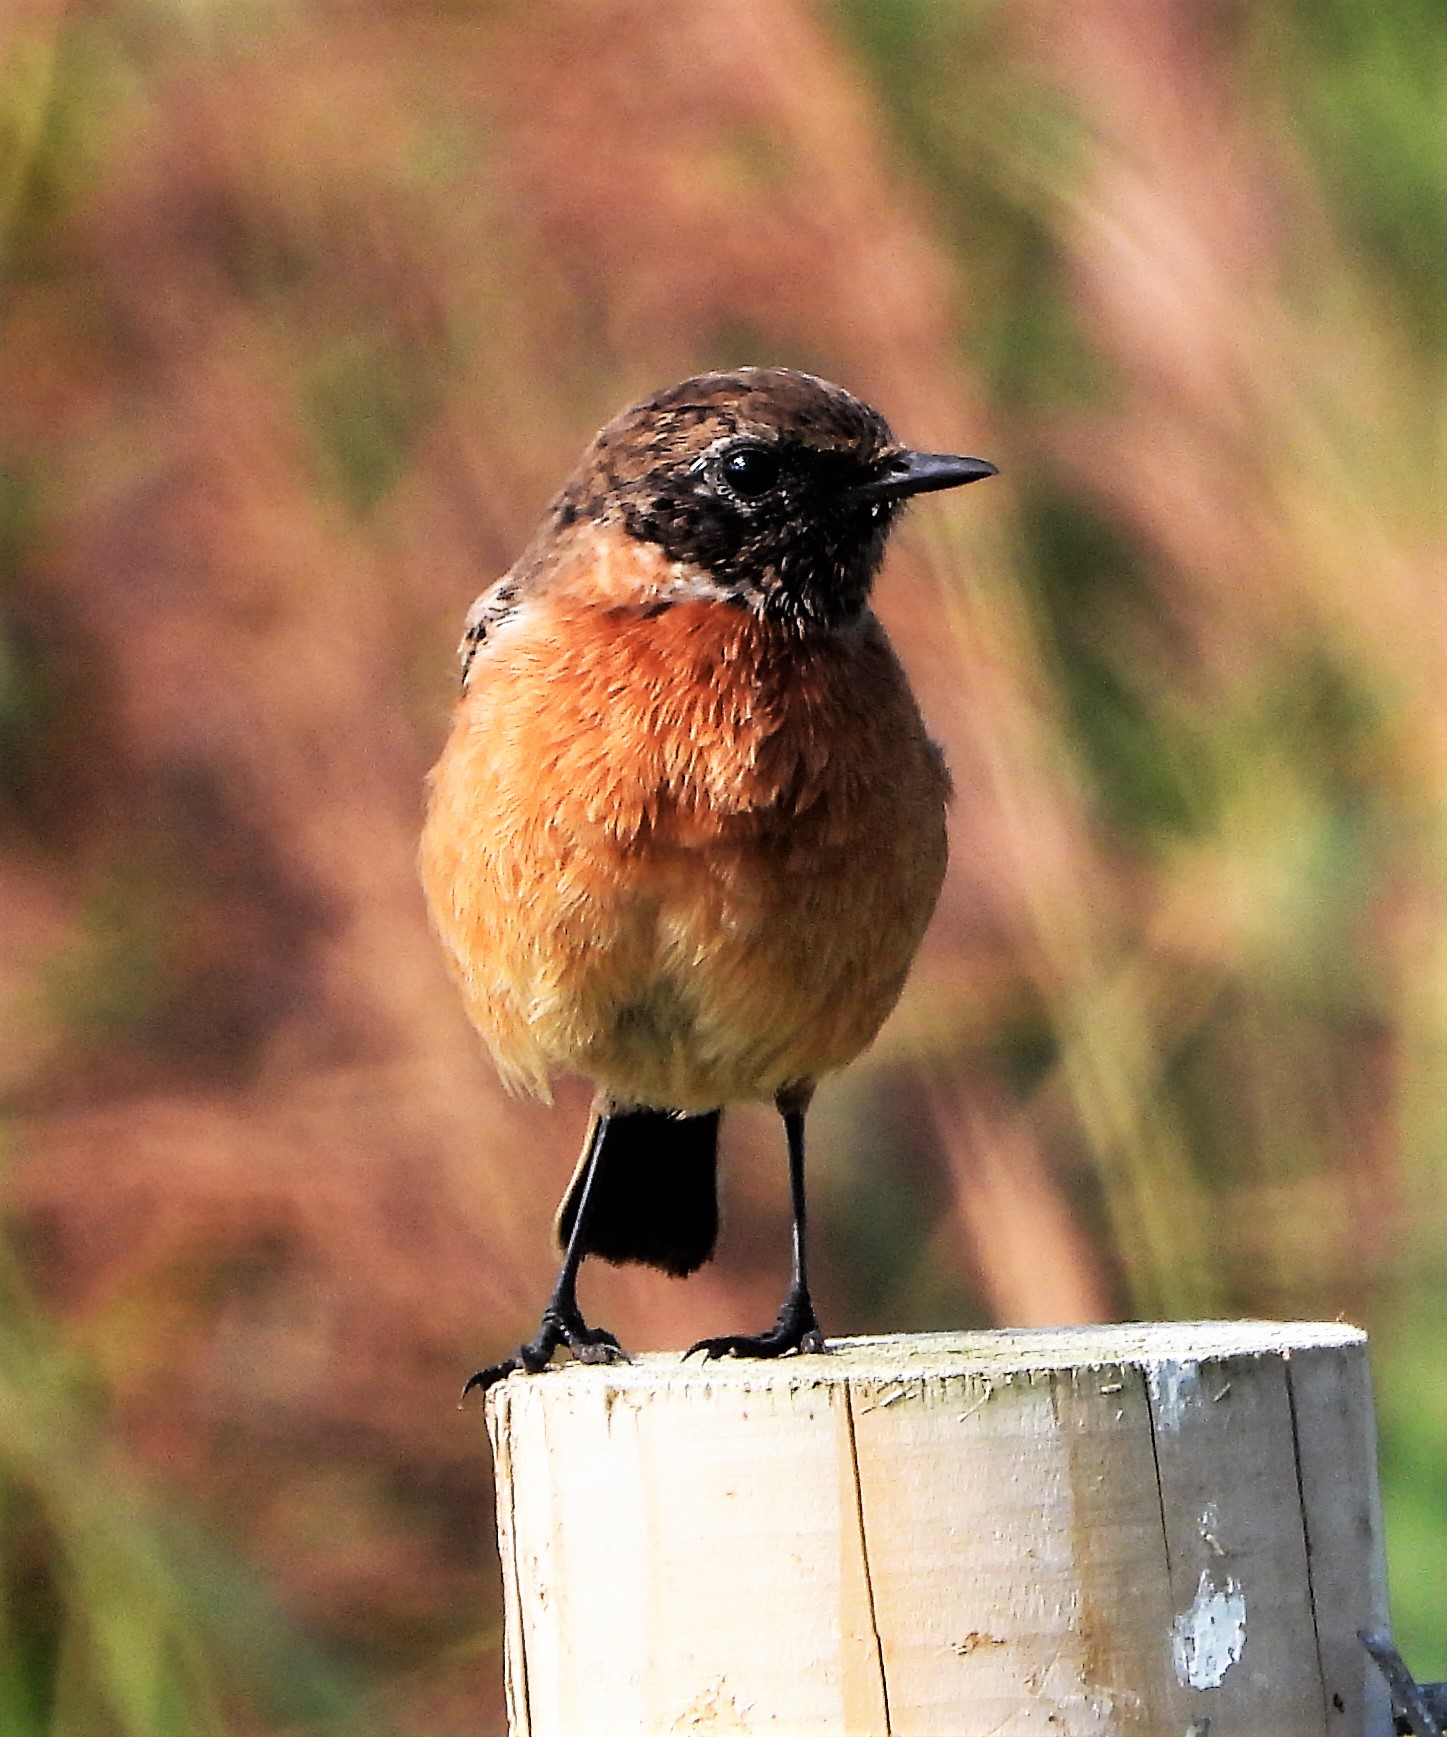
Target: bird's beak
x=920 y=473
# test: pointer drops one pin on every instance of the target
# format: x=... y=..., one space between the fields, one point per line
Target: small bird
x=688 y=828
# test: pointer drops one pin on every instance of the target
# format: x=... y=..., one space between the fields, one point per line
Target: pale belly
x=717 y=975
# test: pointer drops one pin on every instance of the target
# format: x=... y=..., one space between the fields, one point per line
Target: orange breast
x=682 y=851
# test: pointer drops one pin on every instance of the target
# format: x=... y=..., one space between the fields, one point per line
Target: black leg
x=562 y=1322
x=797 y=1328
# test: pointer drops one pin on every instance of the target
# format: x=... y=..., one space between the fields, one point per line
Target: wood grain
x=1162 y=1530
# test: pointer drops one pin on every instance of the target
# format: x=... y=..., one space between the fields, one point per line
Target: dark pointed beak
x=920 y=473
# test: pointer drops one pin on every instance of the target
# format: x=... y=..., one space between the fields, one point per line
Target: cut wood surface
x=1169 y=1530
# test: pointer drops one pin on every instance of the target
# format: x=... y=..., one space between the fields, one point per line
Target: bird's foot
x=795 y=1330
x=560 y=1326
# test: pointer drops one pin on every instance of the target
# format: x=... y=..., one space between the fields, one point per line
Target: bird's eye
x=750 y=471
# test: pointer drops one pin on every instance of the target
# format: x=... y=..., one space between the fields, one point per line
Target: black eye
x=750 y=471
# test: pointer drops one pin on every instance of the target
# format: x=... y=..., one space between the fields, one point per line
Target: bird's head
x=768 y=487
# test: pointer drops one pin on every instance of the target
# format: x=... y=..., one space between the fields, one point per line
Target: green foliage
x=1366 y=86
x=366 y=404
x=1412 y=1420
x=118 y=1618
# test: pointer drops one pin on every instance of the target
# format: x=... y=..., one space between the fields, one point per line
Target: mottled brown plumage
x=688 y=828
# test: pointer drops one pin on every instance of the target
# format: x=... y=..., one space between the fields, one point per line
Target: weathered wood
x=1160 y=1530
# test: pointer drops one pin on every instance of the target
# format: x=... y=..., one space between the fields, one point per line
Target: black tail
x=655 y=1195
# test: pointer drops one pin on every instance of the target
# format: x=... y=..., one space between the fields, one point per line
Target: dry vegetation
x=305 y=308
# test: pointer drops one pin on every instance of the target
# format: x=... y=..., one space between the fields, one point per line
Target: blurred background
x=306 y=308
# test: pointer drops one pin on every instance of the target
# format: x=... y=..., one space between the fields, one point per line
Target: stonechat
x=688 y=827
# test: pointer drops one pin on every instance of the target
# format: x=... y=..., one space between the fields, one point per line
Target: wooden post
x=1166 y=1530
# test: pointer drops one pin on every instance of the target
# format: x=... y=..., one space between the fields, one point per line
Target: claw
x=795 y=1330
x=482 y=1379
x=557 y=1328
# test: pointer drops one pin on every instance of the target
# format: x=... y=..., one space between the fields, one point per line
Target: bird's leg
x=562 y=1322
x=797 y=1328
